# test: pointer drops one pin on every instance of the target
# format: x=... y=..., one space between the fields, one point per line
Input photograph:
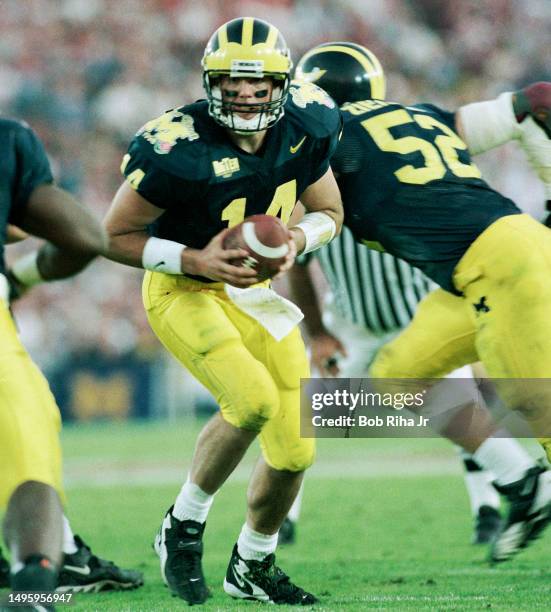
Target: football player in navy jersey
x=255 y=145
x=409 y=187
x=30 y=456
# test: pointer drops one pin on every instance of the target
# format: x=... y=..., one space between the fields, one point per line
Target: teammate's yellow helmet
x=247 y=48
x=348 y=72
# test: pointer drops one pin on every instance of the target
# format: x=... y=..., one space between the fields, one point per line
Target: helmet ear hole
x=247 y=48
x=347 y=71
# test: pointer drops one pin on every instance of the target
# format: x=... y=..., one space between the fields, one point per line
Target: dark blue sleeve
x=148 y=177
x=327 y=148
x=32 y=168
x=442 y=115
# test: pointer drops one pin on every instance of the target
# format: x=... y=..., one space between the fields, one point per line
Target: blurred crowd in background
x=86 y=74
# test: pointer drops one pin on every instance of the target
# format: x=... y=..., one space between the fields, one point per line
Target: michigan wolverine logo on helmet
x=334 y=66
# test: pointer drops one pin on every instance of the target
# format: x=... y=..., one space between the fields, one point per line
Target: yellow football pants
x=254 y=379
x=503 y=320
x=29 y=418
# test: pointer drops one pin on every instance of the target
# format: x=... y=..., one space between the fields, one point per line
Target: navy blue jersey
x=186 y=164
x=409 y=185
x=23 y=167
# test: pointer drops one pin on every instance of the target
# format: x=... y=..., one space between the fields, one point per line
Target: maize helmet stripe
x=222 y=37
x=247 y=32
x=365 y=58
x=272 y=38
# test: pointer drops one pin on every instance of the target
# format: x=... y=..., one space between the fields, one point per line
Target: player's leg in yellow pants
x=29 y=418
x=254 y=379
x=440 y=339
x=506 y=278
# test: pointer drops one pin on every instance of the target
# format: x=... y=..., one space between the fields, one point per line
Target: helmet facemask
x=227 y=112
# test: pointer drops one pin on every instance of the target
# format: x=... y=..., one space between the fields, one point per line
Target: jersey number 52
x=439 y=157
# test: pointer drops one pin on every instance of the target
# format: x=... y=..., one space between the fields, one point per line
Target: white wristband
x=487 y=125
x=319 y=229
x=163 y=256
x=26 y=270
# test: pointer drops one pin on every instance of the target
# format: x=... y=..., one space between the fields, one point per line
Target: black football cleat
x=84 y=572
x=4 y=572
x=263 y=581
x=32 y=586
x=529 y=513
x=487 y=525
x=287 y=532
x=179 y=545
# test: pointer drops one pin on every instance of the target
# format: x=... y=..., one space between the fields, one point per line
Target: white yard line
x=81 y=472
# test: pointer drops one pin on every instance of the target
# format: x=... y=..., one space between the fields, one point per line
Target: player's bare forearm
x=74 y=236
x=127 y=248
x=53 y=214
x=126 y=224
x=56 y=264
x=304 y=295
x=324 y=196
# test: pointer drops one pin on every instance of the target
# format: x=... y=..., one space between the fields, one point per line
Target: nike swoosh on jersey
x=297 y=146
x=84 y=570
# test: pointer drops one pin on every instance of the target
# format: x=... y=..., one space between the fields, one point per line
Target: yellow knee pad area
x=299 y=459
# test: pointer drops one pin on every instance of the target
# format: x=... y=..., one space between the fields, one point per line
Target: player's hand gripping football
x=289 y=258
x=214 y=262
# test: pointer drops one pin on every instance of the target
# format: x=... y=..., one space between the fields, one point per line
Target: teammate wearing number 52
x=408 y=183
x=254 y=146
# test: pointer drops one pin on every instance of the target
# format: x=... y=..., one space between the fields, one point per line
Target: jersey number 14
x=284 y=200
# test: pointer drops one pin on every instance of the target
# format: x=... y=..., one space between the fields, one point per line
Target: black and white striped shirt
x=371 y=289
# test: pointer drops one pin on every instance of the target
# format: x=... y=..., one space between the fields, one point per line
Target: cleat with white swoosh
x=263 y=581
x=84 y=572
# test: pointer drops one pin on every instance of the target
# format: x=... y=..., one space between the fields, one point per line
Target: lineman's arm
x=325 y=347
x=524 y=115
x=324 y=217
x=74 y=237
x=126 y=223
x=488 y=124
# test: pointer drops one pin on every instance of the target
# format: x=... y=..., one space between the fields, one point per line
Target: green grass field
x=385 y=524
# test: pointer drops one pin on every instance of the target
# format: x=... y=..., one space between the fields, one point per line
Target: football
x=266 y=240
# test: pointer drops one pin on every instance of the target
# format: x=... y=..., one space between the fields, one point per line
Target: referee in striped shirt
x=371 y=296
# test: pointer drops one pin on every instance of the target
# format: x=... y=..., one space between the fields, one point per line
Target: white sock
x=69 y=545
x=192 y=503
x=294 y=510
x=480 y=490
x=255 y=546
x=505 y=458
